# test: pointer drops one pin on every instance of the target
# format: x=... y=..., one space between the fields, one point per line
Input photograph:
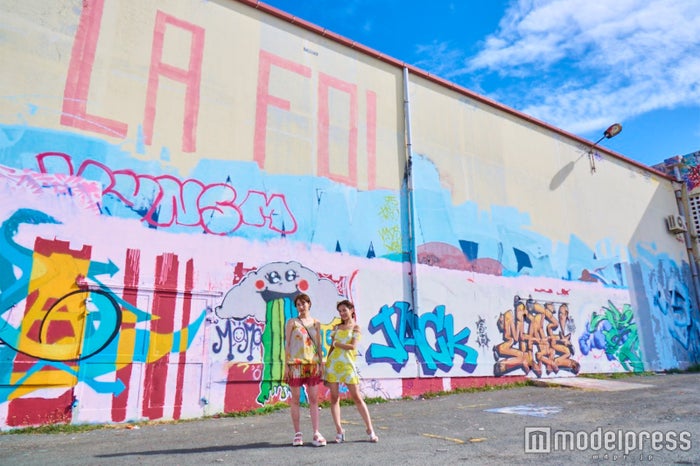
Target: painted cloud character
x=278 y=280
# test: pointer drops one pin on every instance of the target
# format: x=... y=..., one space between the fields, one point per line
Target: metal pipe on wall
x=408 y=174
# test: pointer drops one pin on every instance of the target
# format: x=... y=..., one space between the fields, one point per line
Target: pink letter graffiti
x=326 y=82
x=267 y=60
x=165 y=201
x=77 y=89
x=75 y=94
x=190 y=77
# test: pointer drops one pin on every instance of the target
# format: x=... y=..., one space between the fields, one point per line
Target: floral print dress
x=340 y=363
x=304 y=366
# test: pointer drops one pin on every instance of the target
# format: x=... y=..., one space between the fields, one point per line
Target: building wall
x=687 y=169
x=173 y=173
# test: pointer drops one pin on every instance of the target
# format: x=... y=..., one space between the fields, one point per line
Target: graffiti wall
x=174 y=173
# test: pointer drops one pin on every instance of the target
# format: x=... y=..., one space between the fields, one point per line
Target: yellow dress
x=340 y=363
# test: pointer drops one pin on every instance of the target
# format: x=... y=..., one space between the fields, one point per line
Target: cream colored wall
x=234 y=36
x=299 y=132
x=495 y=159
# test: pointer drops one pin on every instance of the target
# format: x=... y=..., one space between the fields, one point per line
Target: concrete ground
x=656 y=418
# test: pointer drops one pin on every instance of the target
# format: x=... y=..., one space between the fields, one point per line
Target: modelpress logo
x=538 y=439
x=543 y=440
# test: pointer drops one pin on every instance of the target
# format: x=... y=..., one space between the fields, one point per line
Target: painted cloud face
x=278 y=280
x=281 y=280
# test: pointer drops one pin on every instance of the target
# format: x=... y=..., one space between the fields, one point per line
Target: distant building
x=689 y=171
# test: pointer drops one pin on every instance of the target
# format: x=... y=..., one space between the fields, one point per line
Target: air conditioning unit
x=676 y=223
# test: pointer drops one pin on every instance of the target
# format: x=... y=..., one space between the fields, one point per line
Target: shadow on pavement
x=212 y=449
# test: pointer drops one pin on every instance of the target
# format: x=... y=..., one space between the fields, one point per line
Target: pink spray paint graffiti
x=164 y=201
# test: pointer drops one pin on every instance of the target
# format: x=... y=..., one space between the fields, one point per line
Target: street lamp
x=612 y=131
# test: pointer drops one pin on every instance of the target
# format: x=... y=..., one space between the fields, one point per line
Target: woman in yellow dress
x=340 y=368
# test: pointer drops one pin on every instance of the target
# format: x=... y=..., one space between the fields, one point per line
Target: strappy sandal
x=318 y=440
x=373 y=437
x=298 y=440
x=340 y=438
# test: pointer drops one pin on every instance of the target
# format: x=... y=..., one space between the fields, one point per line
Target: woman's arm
x=352 y=345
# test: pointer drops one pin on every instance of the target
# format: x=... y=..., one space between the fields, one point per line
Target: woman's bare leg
x=335 y=406
x=354 y=390
x=312 y=392
x=294 y=408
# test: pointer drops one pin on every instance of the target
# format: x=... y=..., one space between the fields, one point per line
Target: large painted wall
x=174 y=172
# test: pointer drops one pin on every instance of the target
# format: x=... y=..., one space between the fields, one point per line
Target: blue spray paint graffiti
x=672 y=306
x=410 y=335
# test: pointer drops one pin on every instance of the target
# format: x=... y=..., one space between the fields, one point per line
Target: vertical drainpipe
x=413 y=255
x=682 y=201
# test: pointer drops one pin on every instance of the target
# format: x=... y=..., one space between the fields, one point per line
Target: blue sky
x=580 y=65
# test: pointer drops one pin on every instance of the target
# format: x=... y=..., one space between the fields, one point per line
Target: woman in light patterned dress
x=340 y=368
x=304 y=358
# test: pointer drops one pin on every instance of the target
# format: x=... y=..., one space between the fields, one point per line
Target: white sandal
x=318 y=440
x=298 y=440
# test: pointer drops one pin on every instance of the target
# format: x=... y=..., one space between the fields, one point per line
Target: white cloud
x=442 y=58
x=581 y=64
